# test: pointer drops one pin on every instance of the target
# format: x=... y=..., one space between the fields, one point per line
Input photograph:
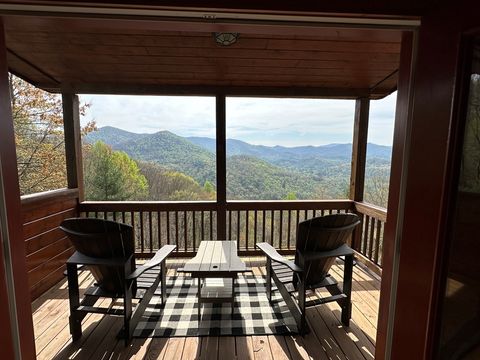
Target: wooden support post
x=359 y=149
x=16 y=320
x=73 y=143
x=221 y=167
x=359 y=157
x=397 y=191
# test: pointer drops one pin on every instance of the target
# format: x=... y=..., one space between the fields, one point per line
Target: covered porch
x=284 y=58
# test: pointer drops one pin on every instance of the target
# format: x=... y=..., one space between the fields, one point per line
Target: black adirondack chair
x=319 y=242
x=107 y=249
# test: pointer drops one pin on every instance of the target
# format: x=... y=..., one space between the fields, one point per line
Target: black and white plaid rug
x=253 y=314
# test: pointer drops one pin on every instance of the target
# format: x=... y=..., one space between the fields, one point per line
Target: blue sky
x=287 y=122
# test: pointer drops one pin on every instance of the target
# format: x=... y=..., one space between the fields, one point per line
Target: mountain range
x=271 y=172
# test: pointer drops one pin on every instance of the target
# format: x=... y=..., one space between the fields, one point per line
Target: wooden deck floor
x=328 y=340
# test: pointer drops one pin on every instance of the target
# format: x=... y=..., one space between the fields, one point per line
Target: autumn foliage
x=38 y=122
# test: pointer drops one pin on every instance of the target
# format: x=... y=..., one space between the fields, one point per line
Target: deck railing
x=185 y=224
x=369 y=241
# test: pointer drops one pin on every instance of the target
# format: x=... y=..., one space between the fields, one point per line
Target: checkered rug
x=253 y=314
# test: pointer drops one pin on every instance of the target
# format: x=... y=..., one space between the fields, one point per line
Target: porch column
x=18 y=328
x=73 y=143
x=359 y=157
x=221 y=167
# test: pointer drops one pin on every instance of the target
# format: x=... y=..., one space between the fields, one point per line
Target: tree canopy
x=38 y=123
x=112 y=175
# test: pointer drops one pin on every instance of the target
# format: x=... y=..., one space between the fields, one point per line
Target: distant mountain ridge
x=253 y=171
x=115 y=137
x=164 y=147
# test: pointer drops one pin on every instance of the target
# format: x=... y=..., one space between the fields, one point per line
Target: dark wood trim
x=359 y=159
x=146 y=206
x=201 y=90
x=396 y=192
x=453 y=197
x=6 y=339
x=221 y=161
x=73 y=142
x=237 y=205
x=240 y=205
x=11 y=215
x=198 y=18
x=359 y=149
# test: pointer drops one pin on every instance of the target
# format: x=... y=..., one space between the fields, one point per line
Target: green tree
x=209 y=187
x=173 y=185
x=112 y=175
x=291 y=196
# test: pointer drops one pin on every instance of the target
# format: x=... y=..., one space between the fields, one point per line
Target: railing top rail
x=374 y=211
x=212 y=205
x=126 y=206
x=290 y=205
x=42 y=198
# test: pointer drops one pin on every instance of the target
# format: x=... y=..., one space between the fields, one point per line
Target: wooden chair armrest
x=157 y=259
x=272 y=254
x=79 y=259
x=343 y=250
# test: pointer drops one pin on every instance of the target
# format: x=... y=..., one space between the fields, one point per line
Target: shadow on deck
x=328 y=338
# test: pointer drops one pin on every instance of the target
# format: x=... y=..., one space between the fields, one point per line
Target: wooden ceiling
x=96 y=56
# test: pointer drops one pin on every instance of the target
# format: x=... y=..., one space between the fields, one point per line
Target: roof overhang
x=97 y=50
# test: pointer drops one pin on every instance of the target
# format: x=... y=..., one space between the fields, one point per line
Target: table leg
x=233 y=294
x=198 y=298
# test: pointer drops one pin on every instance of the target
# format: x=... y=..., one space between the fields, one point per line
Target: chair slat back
x=322 y=234
x=100 y=238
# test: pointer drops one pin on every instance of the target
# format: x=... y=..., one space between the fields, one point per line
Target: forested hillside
x=253 y=171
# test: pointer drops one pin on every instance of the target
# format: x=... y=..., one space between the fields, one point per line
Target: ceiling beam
x=206 y=90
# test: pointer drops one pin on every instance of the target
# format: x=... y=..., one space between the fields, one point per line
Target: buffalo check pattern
x=253 y=314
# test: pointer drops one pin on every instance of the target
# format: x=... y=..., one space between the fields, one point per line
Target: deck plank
x=328 y=339
x=174 y=349
x=157 y=349
x=226 y=347
x=191 y=349
x=297 y=348
x=209 y=348
x=261 y=348
x=244 y=348
x=278 y=347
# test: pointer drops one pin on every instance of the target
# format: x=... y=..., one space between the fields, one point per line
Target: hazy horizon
x=257 y=121
x=213 y=138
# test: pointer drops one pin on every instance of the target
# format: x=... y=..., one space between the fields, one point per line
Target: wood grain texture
x=98 y=340
x=46 y=246
x=11 y=226
x=73 y=143
x=91 y=56
x=359 y=149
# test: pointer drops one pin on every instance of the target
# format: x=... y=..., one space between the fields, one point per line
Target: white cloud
x=288 y=122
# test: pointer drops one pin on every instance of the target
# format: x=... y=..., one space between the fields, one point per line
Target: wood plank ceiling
x=86 y=56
